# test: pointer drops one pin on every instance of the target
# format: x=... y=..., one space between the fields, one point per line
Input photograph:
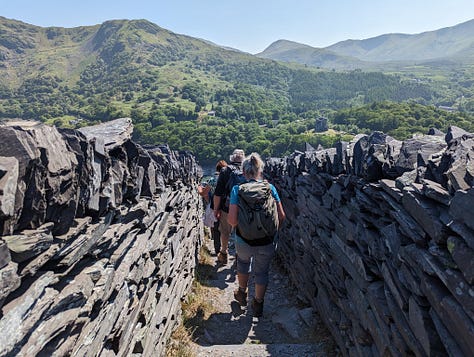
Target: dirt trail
x=287 y=328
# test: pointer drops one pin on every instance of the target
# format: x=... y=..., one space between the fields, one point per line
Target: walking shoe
x=257 y=308
x=222 y=258
x=241 y=297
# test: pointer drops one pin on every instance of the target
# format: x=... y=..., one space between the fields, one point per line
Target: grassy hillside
x=183 y=91
x=445 y=43
x=453 y=45
x=288 y=51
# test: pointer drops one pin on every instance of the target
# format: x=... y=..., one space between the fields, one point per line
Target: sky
x=252 y=25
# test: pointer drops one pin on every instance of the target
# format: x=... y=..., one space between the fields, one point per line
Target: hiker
x=254 y=255
x=221 y=200
x=215 y=234
x=206 y=191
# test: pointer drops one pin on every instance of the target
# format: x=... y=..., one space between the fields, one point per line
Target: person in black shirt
x=221 y=204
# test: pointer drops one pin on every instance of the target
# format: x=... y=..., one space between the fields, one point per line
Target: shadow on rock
x=224 y=328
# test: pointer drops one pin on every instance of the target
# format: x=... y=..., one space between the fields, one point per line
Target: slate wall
x=380 y=240
x=99 y=239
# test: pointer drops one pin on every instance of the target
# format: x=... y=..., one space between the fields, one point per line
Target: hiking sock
x=222 y=257
x=257 y=307
x=241 y=296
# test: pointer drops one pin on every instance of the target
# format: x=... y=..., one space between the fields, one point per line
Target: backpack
x=236 y=177
x=258 y=216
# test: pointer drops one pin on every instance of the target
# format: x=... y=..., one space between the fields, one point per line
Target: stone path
x=286 y=328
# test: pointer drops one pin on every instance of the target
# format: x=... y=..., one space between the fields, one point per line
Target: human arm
x=280 y=210
x=217 y=205
x=233 y=214
x=203 y=191
x=281 y=213
x=232 y=217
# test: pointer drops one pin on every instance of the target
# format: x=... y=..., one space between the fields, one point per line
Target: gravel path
x=286 y=328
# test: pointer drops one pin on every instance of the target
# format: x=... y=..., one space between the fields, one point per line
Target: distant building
x=321 y=125
x=211 y=113
x=448 y=109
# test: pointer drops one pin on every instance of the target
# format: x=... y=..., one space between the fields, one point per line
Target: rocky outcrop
x=380 y=240
x=99 y=239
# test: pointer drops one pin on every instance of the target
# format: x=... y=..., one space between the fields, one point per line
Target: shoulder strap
x=234 y=170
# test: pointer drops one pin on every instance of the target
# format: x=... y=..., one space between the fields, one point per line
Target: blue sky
x=252 y=25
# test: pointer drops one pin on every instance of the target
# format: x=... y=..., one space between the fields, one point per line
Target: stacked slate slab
x=380 y=240
x=98 y=241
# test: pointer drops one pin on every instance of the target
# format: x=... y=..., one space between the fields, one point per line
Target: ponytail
x=253 y=166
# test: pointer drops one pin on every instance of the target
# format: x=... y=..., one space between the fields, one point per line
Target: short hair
x=220 y=164
x=253 y=166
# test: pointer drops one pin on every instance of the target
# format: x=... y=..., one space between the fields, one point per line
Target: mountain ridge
x=290 y=51
x=455 y=43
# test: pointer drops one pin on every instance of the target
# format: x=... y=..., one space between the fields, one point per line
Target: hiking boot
x=222 y=258
x=257 y=308
x=240 y=297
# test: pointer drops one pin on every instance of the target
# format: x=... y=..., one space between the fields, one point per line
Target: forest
x=201 y=98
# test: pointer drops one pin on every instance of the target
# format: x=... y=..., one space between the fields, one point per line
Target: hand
x=217 y=213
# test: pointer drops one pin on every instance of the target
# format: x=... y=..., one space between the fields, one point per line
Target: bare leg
x=225 y=230
x=224 y=243
x=243 y=280
x=260 y=292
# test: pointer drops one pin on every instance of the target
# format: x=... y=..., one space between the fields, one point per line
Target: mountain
x=444 y=43
x=288 y=51
x=125 y=66
x=188 y=92
x=27 y=50
x=75 y=71
x=455 y=44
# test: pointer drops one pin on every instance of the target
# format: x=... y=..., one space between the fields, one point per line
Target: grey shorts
x=254 y=259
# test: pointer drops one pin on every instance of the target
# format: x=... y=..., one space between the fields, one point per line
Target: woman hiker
x=253 y=255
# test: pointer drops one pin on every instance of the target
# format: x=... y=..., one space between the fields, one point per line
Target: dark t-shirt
x=221 y=186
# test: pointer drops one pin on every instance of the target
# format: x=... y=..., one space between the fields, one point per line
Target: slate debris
x=388 y=232
x=98 y=240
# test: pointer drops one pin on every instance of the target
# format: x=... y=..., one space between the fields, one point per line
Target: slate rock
x=29 y=243
x=463 y=256
x=450 y=313
x=9 y=280
x=461 y=207
x=390 y=187
x=360 y=148
x=417 y=150
x=114 y=133
x=46 y=176
x=436 y=192
x=21 y=315
x=341 y=151
x=5 y=257
x=400 y=319
x=426 y=214
x=456 y=166
x=8 y=185
x=424 y=329
x=19 y=144
x=434 y=131
x=455 y=132
x=447 y=338
x=288 y=320
x=406 y=179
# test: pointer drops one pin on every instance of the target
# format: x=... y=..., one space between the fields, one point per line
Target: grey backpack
x=258 y=216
